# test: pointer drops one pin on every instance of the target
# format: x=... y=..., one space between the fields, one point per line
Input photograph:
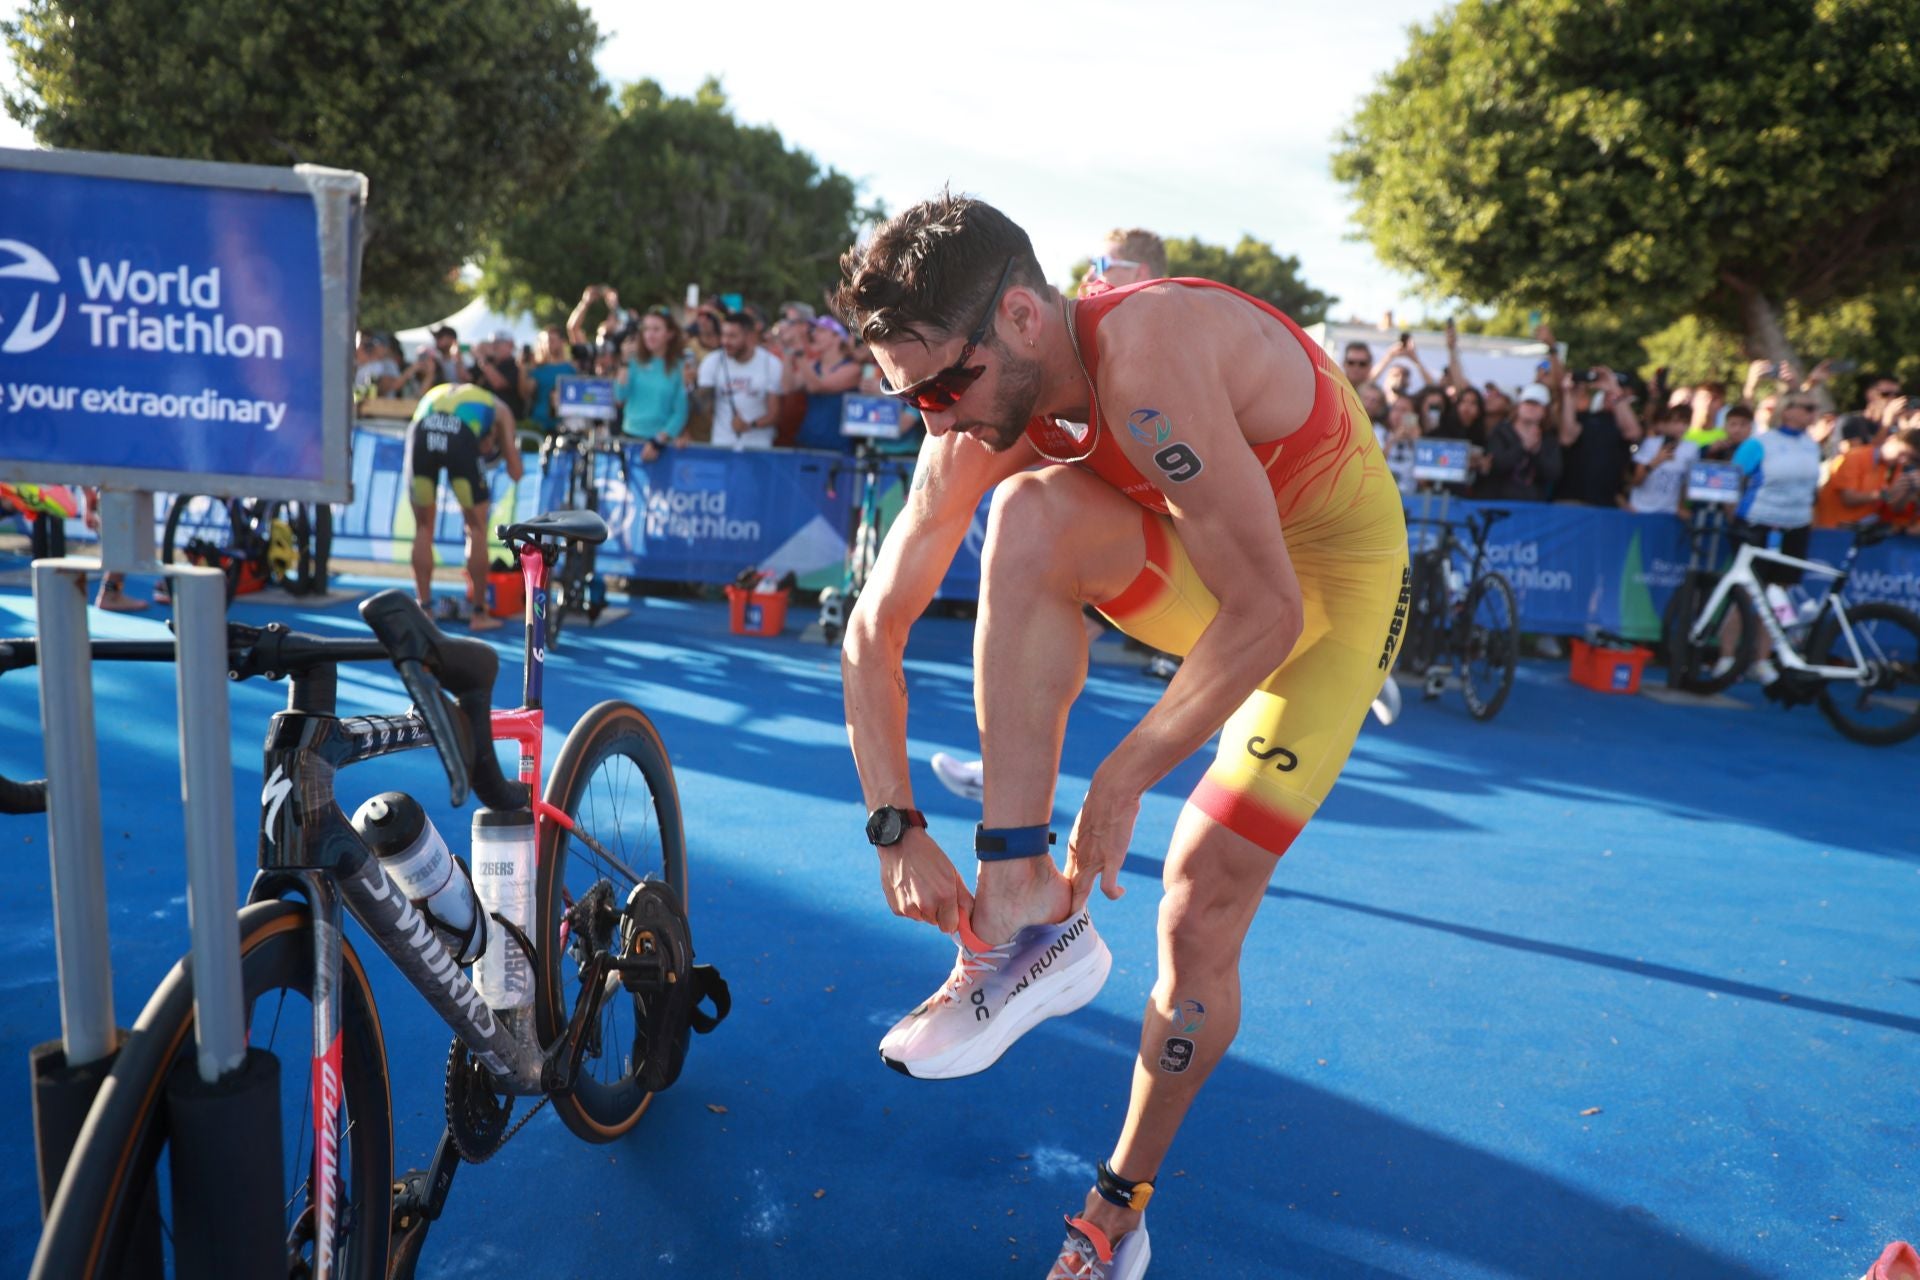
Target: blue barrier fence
x=702 y=515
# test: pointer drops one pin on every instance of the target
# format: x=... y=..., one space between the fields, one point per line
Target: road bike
x=590 y=1003
x=1859 y=660
x=577 y=586
x=255 y=542
x=1459 y=620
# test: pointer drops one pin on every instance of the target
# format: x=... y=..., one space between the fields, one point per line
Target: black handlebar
x=432 y=665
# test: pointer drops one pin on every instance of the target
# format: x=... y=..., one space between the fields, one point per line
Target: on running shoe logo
x=1053 y=952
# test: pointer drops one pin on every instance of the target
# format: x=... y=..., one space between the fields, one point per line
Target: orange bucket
x=756 y=613
x=1607 y=670
x=506 y=593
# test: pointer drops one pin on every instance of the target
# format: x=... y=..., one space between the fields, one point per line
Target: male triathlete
x=1228 y=504
x=457 y=428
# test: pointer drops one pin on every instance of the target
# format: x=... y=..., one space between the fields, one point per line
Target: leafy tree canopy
x=1660 y=157
x=1253 y=266
x=456 y=113
x=677 y=191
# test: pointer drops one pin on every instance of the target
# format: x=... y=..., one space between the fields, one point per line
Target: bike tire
x=1489 y=648
x=1889 y=637
x=611 y=756
x=561 y=594
x=1426 y=614
x=119 y=1155
x=197 y=517
x=1694 y=660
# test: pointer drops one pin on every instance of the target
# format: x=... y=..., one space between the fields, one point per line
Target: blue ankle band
x=996 y=844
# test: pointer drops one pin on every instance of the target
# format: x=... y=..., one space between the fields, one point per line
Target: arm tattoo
x=900 y=683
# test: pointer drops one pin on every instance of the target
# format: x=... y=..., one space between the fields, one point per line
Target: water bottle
x=503 y=876
x=414 y=857
x=1781 y=604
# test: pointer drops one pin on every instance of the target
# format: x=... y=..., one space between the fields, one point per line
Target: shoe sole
x=976 y=1055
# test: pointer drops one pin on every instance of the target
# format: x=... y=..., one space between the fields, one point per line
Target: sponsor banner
x=694 y=515
x=594 y=399
x=175 y=325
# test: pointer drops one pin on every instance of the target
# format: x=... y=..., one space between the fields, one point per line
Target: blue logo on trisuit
x=1149 y=426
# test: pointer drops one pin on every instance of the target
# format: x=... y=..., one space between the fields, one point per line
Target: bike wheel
x=1691 y=661
x=1489 y=645
x=1883 y=708
x=613 y=778
x=200 y=530
x=121 y=1157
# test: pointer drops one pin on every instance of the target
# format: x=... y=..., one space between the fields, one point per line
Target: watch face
x=885 y=826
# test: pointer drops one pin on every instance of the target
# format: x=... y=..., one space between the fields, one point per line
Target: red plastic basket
x=756 y=613
x=1607 y=670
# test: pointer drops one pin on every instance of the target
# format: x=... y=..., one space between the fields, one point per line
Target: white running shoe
x=1721 y=665
x=965 y=778
x=1763 y=672
x=995 y=995
x=1088 y=1255
x=1386 y=707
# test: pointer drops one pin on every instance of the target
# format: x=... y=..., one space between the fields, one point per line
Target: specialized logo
x=274 y=794
x=1284 y=760
x=326 y=1151
x=1399 y=619
x=1176 y=1055
x=28 y=332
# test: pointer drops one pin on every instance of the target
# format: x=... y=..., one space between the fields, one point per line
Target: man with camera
x=1596 y=442
x=496 y=369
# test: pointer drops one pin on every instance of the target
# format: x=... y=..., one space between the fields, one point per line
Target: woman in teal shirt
x=652 y=393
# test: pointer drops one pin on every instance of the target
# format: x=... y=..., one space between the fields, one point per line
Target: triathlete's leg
x=475 y=518
x=1056 y=538
x=423 y=551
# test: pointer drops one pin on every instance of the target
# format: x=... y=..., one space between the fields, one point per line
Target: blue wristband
x=996 y=844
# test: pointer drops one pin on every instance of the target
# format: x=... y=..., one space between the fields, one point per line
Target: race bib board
x=595 y=399
x=870 y=417
x=1440 y=460
x=1714 y=482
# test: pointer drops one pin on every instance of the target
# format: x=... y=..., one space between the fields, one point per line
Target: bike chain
x=476 y=1115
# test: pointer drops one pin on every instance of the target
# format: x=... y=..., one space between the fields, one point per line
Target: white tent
x=475 y=322
x=1507 y=362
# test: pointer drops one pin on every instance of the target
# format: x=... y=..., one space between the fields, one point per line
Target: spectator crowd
x=1600 y=437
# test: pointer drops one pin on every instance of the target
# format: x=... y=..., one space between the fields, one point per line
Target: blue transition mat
x=1606 y=988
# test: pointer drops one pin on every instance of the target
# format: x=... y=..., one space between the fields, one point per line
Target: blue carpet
x=1605 y=988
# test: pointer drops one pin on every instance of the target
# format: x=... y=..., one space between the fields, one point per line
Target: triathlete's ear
x=1023 y=313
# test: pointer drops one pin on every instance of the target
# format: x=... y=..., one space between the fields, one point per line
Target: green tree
x=456 y=113
x=677 y=191
x=1662 y=156
x=1252 y=266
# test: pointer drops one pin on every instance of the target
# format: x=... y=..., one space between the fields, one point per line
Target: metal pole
x=73 y=810
x=206 y=792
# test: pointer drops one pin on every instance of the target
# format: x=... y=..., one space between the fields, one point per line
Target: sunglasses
x=1103 y=264
x=941 y=391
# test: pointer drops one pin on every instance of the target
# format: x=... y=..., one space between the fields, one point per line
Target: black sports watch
x=886 y=825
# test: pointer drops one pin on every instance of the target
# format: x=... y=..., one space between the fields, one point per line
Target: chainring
x=476 y=1115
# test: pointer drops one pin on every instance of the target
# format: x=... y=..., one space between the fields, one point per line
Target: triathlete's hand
x=921 y=883
x=1099 y=843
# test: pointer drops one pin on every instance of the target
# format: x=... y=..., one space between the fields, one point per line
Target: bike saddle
x=572 y=526
x=1493 y=515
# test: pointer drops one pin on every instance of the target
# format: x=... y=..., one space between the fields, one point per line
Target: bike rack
x=68 y=1073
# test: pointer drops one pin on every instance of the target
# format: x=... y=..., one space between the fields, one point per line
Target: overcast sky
x=1212 y=120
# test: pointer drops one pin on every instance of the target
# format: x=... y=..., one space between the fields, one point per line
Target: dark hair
x=740 y=318
x=929 y=270
x=1740 y=411
x=1357 y=345
x=676 y=340
x=1872 y=376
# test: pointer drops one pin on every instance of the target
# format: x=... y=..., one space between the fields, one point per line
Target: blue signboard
x=1718 y=482
x=873 y=417
x=190 y=329
x=591 y=398
x=1441 y=460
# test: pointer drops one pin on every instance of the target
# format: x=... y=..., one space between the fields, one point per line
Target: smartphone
x=1843 y=366
x=693 y=298
x=1405 y=336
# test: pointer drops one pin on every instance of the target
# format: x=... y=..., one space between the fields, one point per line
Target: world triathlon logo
x=21 y=308
x=1149 y=426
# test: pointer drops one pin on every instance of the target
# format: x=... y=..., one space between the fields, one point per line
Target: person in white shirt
x=738 y=384
x=1661 y=461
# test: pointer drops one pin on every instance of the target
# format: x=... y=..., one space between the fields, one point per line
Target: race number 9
x=1179 y=462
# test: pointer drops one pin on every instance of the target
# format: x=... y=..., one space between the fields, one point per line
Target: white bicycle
x=1860 y=661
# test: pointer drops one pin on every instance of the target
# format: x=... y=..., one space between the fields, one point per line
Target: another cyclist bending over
x=457 y=429
x=1227 y=503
